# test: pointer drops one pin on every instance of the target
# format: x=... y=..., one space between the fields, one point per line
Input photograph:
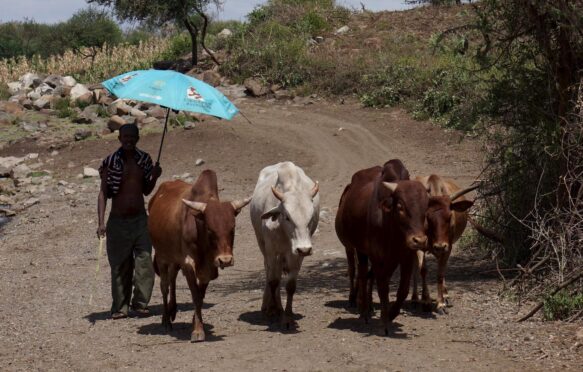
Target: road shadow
x=180 y=331
x=272 y=324
x=373 y=328
x=155 y=310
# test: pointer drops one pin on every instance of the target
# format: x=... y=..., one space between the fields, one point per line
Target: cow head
x=219 y=220
x=441 y=221
x=294 y=213
x=406 y=205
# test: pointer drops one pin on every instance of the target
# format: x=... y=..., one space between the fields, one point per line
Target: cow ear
x=461 y=206
x=273 y=214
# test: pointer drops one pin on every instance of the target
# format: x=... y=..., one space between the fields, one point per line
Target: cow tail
x=156 y=268
x=490 y=234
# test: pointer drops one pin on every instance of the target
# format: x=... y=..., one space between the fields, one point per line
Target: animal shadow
x=273 y=324
x=373 y=328
x=180 y=330
x=155 y=310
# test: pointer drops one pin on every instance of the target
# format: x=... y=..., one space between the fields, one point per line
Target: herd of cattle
x=383 y=217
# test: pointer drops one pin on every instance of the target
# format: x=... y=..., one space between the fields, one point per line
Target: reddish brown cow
x=447 y=218
x=381 y=217
x=192 y=230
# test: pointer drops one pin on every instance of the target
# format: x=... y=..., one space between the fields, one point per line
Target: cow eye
x=286 y=217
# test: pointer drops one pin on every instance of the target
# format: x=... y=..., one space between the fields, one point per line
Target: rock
x=33 y=95
x=129 y=119
x=282 y=94
x=29 y=203
x=319 y=39
x=119 y=108
x=69 y=81
x=137 y=113
x=62 y=183
x=115 y=122
x=302 y=100
x=11 y=161
x=54 y=153
x=7 y=186
x=6 y=119
x=199 y=162
x=579 y=334
x=82 y=119
x=81 y=134
x=255 y=88
x=157 y=112
x=11 y=108
x=32 y=155
x=27 y=80
x=77 y=91
x=6 y=200
x=42 y=103
x=90 y=172
x=85 y=99
x=14 y=87
x=342 y=30
x=68 y=191
x=7 y=212
x=189 y=125
x=44 y=89
x=184 y=175
x=30 y=127
x=225 y=33
x=149 y=122
x=53 y=81
x=27 y=104
x=20 y=171
x=211 y=77
x=233 y=91
x=105 y=100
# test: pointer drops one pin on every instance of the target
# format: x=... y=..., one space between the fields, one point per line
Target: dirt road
x=48 y=260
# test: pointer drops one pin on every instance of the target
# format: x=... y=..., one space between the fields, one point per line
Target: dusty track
x=48 y=255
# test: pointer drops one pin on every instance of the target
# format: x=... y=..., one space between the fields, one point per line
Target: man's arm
x=101 y=204
x=151 y=183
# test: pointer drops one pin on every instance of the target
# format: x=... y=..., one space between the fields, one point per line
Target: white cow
x=285 y=210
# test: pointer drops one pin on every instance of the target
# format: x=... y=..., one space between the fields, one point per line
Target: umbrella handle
x=163 y=134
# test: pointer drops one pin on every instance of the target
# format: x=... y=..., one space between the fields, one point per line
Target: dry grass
x=108 y=62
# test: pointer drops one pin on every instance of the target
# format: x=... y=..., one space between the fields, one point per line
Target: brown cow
x=381 y=217
x=447 y=218
x=192 y=230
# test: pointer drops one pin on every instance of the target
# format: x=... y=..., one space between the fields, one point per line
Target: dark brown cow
x=447 y=218
x=381 y=217
x=192 y=230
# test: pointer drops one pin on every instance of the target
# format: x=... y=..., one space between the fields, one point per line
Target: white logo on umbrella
x=192 y=93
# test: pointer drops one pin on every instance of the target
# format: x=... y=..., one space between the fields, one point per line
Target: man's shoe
x=118 y=315
x=143 y=312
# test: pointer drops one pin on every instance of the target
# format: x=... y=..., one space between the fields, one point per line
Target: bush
x=562 y=305
x=179 y=45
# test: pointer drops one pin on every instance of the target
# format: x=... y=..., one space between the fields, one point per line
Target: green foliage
x=64 y=109
x=37 y=174
x=562 y=305
x=102 y=112
x=4 y=93
x=180 y=44
x=91 y=28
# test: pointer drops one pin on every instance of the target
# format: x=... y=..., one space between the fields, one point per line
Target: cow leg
x=382 y=280
x=404 y=283
x=351 y=258
x=172 y=307
x=369 y=289
x=441 y=267
x=198 y=327
x=362 y=275
x=294 y=263
x=271 y=303
x=164 y=288
x=425 y=298
x=416 y=271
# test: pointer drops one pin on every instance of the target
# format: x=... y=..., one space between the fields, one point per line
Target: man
x=126 y=176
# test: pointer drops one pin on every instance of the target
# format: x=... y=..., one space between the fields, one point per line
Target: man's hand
x=156 y=171
x=101 y=231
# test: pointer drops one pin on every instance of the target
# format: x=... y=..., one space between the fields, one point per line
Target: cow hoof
x=448 y=302
x=386 y=331
x=442 y=310
x=197 y=337
x=427 y=307
x=167 y=324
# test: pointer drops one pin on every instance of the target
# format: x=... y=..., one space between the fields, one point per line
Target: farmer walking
x=126 y=176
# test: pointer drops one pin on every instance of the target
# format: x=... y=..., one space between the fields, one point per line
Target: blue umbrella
x=172 y=90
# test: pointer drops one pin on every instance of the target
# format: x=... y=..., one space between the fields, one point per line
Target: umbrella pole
x=163 y=134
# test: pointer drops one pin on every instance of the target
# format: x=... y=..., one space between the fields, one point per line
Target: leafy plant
x=562 y=305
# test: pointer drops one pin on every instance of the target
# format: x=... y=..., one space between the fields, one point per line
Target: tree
x=158 y=12
x=91 y=29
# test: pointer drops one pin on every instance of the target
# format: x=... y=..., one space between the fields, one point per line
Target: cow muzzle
x=224 y=261
x=417 y=242
x=440 y=247
x=304 y=251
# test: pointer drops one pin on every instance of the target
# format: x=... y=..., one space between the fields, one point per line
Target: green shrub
x=562 y=305
x=180 y=44
x=4 y=93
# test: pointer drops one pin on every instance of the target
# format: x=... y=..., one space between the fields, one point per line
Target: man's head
x=129 y=135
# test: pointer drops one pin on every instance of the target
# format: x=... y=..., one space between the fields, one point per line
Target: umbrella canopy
x=173 y=90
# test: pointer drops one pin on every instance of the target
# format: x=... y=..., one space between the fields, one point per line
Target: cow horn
x=278 y=194
x=239 y=204
x=456 y=195
x=390 y=185
x=315 y=189
x=197 y=206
